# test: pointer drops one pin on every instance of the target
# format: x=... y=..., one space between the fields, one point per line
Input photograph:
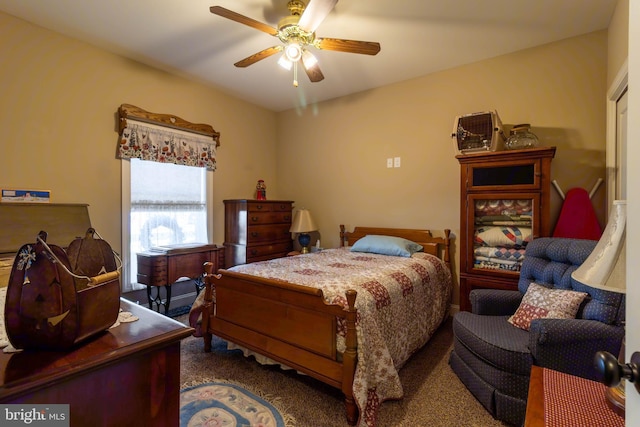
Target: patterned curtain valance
x=165 y=138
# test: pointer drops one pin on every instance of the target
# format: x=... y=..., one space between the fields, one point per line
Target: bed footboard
x=289 y=323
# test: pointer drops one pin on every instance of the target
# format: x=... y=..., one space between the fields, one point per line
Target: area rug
x=179 y=311
x=229 y=405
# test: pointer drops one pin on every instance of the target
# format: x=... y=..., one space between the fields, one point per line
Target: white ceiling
x=417 y=37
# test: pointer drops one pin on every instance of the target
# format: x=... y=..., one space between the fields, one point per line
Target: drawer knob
x=254 y=218
x=254 y=234
x=259 y=206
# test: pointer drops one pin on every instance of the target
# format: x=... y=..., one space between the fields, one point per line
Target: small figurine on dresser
x=261 y=190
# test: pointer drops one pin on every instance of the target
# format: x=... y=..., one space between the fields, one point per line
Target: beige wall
x=57 y=112
x=60 y=97
x=332 y=159
x=618 y=40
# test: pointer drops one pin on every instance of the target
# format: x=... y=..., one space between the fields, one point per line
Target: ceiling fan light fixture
x=293 y=51
x=308 y=59
x=296 y=32
x=284 y=62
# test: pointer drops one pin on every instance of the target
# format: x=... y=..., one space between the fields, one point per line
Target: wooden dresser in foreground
x=256 y=230
x=128 y=375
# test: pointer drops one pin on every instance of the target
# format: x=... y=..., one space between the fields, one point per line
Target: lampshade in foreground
x=605 y=267
x=303 y=224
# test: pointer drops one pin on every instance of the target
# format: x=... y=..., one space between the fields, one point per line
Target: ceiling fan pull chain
x=295 y=74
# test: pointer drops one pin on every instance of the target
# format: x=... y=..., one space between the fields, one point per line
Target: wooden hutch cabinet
x=256 y=230
x=504 y=203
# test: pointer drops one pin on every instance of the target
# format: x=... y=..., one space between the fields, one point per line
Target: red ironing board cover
x=577 y=217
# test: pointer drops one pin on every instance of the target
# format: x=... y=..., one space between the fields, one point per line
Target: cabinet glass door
x=517 y=176
x=502 y=227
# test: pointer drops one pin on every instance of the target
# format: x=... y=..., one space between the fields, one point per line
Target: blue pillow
x=386 y=245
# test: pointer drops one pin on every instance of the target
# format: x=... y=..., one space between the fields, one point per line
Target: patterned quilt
x=401 y=302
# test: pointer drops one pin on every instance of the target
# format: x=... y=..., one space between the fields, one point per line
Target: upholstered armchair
x=493 y=357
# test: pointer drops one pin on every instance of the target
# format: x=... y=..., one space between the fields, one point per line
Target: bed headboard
x=438 y=246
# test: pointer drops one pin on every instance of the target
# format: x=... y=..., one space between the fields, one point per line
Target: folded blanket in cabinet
x=508 y=237
x=500 y=253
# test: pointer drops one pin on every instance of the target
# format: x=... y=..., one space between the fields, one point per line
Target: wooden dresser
x=256 y=230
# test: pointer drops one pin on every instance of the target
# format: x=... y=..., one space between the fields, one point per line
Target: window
x=163 y=204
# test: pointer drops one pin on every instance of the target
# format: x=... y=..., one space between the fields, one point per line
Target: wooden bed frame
x=292 y=324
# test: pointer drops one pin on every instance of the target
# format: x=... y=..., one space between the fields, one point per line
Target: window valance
x=165 y=138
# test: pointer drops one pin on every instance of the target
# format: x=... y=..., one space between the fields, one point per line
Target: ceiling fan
x=297 y=33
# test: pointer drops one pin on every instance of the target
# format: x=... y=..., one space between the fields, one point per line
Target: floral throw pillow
x=540 y=302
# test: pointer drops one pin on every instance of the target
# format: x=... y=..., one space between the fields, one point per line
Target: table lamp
x=605 y=269
x=303 y=224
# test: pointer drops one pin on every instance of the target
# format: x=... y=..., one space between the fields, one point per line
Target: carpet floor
x=433 y=394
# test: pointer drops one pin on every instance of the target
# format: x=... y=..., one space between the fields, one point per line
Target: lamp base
x=616 y=398
x=304 y=239
x=616 y=395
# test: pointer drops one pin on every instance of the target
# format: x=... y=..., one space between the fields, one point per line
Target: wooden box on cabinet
x=256 y=230
x=504 y=202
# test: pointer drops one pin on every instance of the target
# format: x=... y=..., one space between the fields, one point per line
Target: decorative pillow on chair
x=540 y=302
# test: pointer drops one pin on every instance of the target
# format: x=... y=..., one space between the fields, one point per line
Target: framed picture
x=25 y=196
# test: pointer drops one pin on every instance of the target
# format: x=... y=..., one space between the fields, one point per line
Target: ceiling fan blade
x=314 y=14
x=351 y=46
x=229 y=14
x=258 y=56
x=314 y=73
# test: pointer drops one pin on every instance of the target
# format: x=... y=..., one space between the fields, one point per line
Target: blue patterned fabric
x=495 y=302
x=496 y=340
x=554 y=259
x=493 y=358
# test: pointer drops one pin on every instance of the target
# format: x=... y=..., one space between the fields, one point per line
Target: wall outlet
x=389 y=162
x=396 y=162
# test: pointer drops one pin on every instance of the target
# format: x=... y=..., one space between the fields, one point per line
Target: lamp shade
x=302 y=222
x=605 y=267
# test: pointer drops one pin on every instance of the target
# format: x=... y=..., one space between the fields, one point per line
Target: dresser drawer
x=268 y=233
x=270 y=207
x=151 y=270
x=282 y=207
x=259 y=207
x=262 y=252
x=260 y=218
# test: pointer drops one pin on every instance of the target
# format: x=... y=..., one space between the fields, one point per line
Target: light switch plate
x=396 y=162
x=389 y=162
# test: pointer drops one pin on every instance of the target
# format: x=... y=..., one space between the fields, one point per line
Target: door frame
x=617 y=88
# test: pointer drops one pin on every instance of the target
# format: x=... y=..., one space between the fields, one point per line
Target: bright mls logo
x=34 y=415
